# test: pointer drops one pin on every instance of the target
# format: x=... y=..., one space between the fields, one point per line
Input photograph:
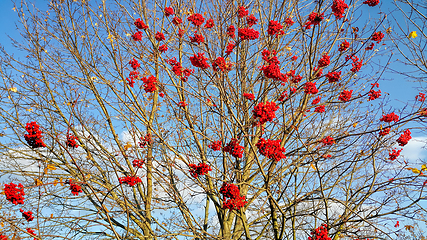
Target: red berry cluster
x=149 y=83
x=249 y=96
x=272 y=69
x=133 y=74
x=316 y=100
x=130 y=180
x=320 y=233
x=390 y=117
x=338 y=8
x=140 y=25
x=197 y=19
x=14 y=193
x=314 y=19
x=176 y=21
x=420 y=97
x=344 y=46
x=248 y=34
x=356 y=65
x=137 y=36
x=163 y=48
x=178 y=70
x=324 y=61
x=320 y=109
x=200 y=169
x=265 y=112
x=32 y=232
x=3 y=237
x=296 y=79
x=271 y=149
x=182 y=104
x=75 y=188
x=71 y=141
x=199 y=61
x=134 y=64
x=234 y=148
x=215 y=145
x=310 y=88
x=370 y=47
x=169 y=11
x=27 y=215
x=159 y=36
x=394 y=154
x=378 y=36
x=230 y=48
x=283 y=96
x=333 y=76
x=384 y=131
x=231 y=31
x=372 y=3
x=138 y=163
x=242 y=12
x=34 y=137
x=146 y=140
x=198 y=38
x=345 y=95
x=220 y=64
x=328 y=141
x=232 y=192
x=274 y=27
x=251 y=20
x=404 y=138
x=209 y=23
x=374 y=94
x=181 y=33
x=289 y=21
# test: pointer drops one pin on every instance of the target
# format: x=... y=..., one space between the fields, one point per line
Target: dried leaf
x=38 y=182
x=127 y=146
x=413 y=34
x=312 y=166
x=51 y=167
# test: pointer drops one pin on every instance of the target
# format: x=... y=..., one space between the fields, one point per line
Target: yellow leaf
x=355 y=124
x=2 y=224
x=55 y=182
x=312 y=166
x=38 y=182
x=416 y=171
x=413 y=34
x=51 y=215
x=127 y=146
x=61 y=182
x=13 y=89
x=423 y=167
x=29 y=109
x=51 y=167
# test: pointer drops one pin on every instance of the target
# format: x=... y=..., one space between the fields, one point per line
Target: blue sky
x=400 y=89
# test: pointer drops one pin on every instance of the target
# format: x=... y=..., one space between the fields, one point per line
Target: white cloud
x=415 y=149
